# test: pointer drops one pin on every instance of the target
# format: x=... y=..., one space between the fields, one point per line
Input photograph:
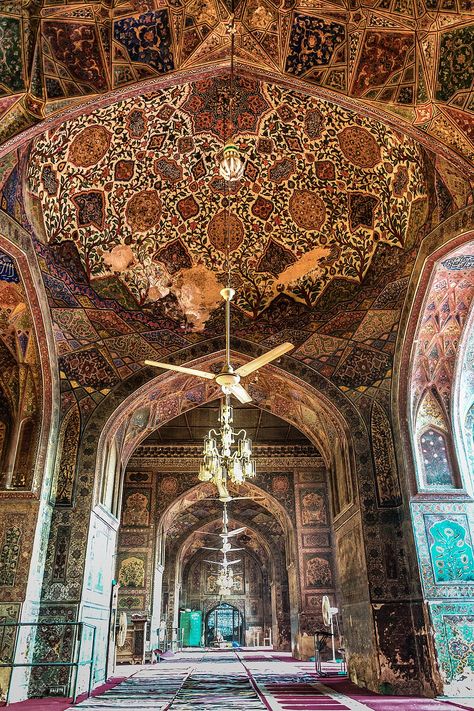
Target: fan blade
x=232 y=550
x=264 y=359
x=214 y=562
x=248 y=498
x=206 y=548
x=181 y=369
x=240 y=393
x=235 y=532
x=232 y=562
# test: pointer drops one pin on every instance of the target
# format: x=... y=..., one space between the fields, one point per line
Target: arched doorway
x=329 y=421
x=224 y=623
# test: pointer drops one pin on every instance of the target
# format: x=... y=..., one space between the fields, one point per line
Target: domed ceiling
x=135 y=188
x=324 y=229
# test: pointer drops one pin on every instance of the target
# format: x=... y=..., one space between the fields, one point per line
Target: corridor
x=245 y=681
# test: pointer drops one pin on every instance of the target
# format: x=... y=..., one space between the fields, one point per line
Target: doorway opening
x=224 y=623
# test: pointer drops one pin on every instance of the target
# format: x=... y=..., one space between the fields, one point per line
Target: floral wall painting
x=318 y=572
x=313 y=508
x=451 y=551
x=137 y=508
x=131 y=572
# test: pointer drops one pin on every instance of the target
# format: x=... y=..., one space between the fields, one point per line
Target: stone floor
x=245 y=681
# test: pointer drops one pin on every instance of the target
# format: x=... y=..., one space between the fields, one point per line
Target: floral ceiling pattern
x=130 y=216
x=135 y=187
x=411 y=58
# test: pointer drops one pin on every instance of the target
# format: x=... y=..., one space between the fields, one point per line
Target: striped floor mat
x=226 y=681
x=148 y=689
x=214 y=682
x=212 y=692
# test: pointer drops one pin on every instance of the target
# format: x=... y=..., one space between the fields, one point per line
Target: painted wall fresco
x=56 y=54
x=445 y=313
x=453 y=624
x=315 y=546
x=442 y=519
x=20 y=380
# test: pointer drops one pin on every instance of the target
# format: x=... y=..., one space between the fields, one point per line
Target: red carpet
x=295 y=687
x=389 y=703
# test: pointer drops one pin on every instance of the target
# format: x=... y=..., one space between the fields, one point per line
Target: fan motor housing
x=228 y=379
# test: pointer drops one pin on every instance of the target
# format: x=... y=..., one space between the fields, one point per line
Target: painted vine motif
x=451 y=552
x=316 y=203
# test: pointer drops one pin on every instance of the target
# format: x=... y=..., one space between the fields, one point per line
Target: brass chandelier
x=227 y=454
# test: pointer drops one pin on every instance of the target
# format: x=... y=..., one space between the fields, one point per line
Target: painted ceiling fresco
x=412 y=58
x=324 y=229
x=135 y=188
x=440 y=331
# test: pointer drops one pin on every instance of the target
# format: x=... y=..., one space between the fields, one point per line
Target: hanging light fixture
x=225 y=582
x=227 y=454
x=231 y=165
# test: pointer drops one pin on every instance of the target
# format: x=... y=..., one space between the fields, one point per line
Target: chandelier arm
x=244 y=432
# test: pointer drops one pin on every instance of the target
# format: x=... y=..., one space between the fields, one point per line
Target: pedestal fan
x=328 y=615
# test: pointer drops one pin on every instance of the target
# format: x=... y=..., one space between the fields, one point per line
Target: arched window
x=436 y=465
x=435 y=458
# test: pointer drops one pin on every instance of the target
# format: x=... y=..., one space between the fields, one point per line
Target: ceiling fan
x=224 y=563
x=228 y=378
x=225 y=534
x=226 y=548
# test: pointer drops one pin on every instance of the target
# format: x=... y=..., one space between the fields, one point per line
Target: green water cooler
x=191 y=623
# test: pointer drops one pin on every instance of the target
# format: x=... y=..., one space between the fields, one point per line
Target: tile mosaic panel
x=453 y=624
x=444 y=545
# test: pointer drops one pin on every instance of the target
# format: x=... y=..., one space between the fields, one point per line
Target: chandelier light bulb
x=231 y=165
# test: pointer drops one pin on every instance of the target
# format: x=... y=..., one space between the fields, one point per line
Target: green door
x=191 y=622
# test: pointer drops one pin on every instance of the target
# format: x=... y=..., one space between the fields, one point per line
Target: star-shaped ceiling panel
x=410 y=58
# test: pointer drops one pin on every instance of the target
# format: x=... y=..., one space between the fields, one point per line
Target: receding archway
x=324 y=415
